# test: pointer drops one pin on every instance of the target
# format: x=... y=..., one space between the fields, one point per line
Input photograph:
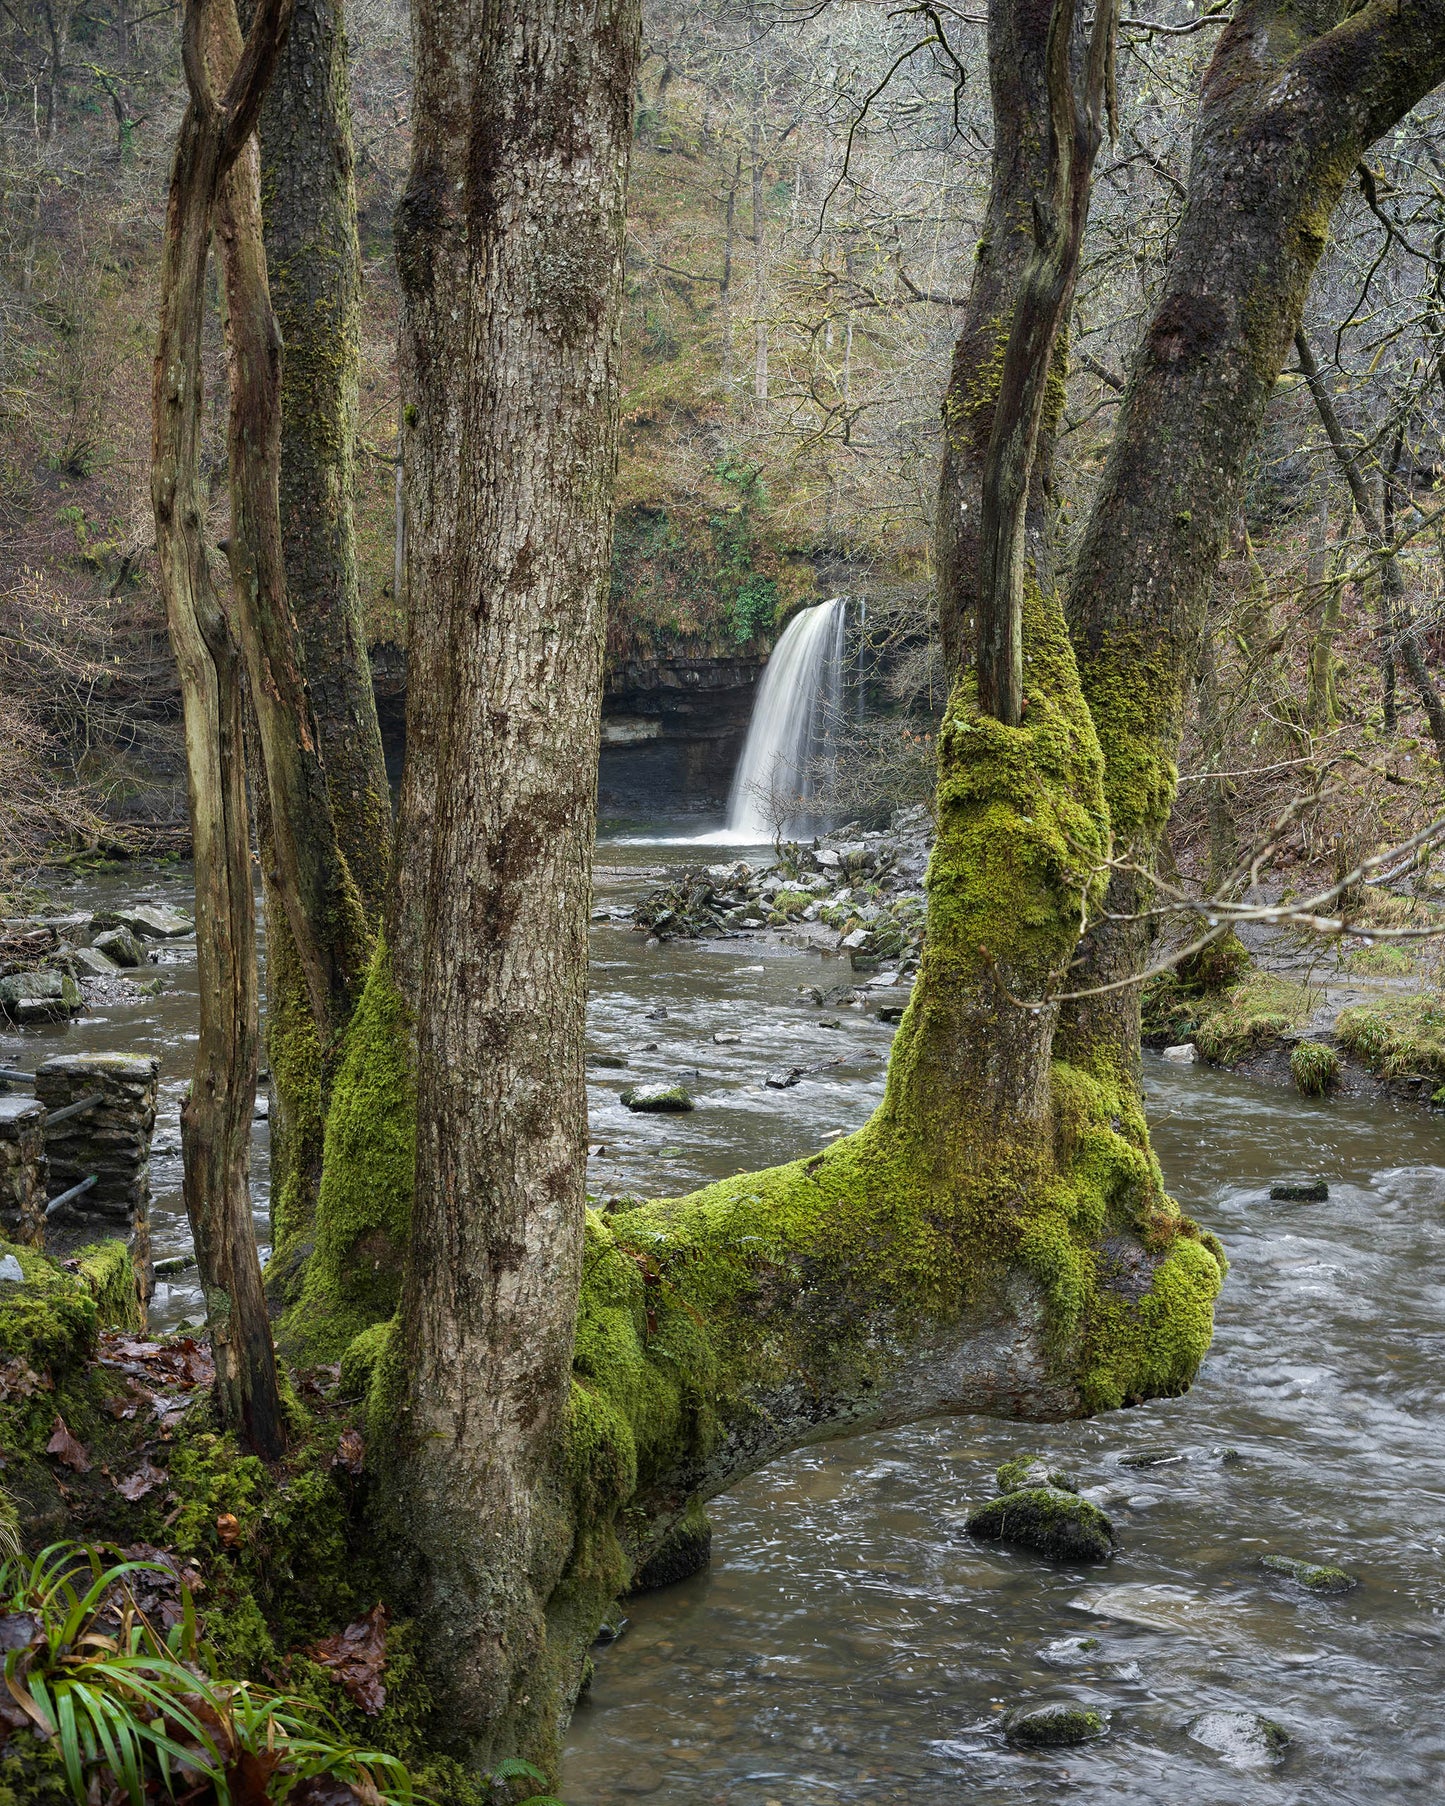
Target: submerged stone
x=1071 y=1652
x=1054 y=1727
x=657 y=1100
x=1025 y=1471
x=1299 y=1191
x=1243 y=1739
x=1314 y=1576
x=1048 y=1520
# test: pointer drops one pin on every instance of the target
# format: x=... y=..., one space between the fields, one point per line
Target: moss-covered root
x=353 y=1273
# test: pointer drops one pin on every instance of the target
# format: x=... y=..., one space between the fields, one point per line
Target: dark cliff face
x=672 y=728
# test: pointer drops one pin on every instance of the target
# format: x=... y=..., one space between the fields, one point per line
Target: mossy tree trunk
x=216 y=1118
x=1293 y=97
x=308 y=193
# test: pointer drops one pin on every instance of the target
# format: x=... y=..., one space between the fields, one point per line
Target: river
x=850 y=1643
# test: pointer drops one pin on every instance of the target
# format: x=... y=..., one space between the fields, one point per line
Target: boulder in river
x=45 y=996
x=153 y=921
x=1243 y=1739
x=1048 y=1520
x=1055 y=1726
x=1072 y=1652
x=657 y=1100
x=1315 y=1577
x=1025 y=1471
x=1299 y=1191
x=121 y=946
x=95 y=964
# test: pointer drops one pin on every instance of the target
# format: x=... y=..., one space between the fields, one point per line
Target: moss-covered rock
x=1026 y=1471
x=1054 y=1727
x=658 y=1100
x=685 y=1550
x=1314 y=1577
x=1047 y=1520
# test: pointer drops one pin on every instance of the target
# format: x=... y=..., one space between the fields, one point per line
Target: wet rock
x=785 y=1078
x=1242 y=1739
x=121 y=946
x=1071 y=1652
x=1153 y=1455
x=1054 y=1727
x=727 y=1037
x=1299 y=1191
x=1047 y=1520
x=655 y=1015
x=607 y=1062
x=154 y=921
x=1185 y=1054
x=1315 y=1577
x=685 y=1550
x=1026 y=1471
x=657 y=1100
x=45 y=996
x=611 y=1627
x=95 y=964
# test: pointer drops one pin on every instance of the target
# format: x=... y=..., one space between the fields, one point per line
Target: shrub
x=1314 y=1068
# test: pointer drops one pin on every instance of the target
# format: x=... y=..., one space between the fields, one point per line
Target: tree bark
x=308 y=194
x=509 y=243
x=1291 y=101
x=1018 y=34
x=216 y=1118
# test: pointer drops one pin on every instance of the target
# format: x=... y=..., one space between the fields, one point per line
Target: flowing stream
x=797 y=708
x=850 y=1643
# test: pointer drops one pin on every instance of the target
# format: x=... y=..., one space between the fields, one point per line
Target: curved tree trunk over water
x=1292 y=99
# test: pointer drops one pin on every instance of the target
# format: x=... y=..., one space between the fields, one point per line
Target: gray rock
x=120 y=945
x=1315 y=1577
x=1047 y=1520
x=727 y=1037
x=11 y=1271
x=657 y=1100
x=1185 y=1054
x=1299 y=1191
x=154 y=921
x=1054 y=1727
x=785 y=1078
x=95 y=964
x=1242 y=1739
x=46 y=996
x=608 y=1062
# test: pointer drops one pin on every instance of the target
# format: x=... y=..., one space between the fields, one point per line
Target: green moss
x=363 y=1208
x=1047 y=1520
x=1397 y=1036
x=1314 y=1068
x=298 y=1126
x=789 y=903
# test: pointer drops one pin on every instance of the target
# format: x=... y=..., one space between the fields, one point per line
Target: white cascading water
x=796 y=712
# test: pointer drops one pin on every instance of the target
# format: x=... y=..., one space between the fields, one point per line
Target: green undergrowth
x=1314 y=1067
x=1226 y=1025
x=1397 y=1037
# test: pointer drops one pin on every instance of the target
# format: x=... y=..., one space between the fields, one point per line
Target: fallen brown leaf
x=145 y=1479
x=228 y=1528
x=356 y=1656
x=351 y=1451
x=65 y=1447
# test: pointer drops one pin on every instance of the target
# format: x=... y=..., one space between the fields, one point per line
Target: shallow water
x=850 y=1643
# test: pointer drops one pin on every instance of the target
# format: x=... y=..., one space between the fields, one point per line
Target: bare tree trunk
x=1392 y=586
x=509 y=244
x=1293 y=97
x=216 y=1119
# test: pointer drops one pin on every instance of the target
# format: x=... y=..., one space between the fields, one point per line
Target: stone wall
x=22 y=1170
x=112 y=1140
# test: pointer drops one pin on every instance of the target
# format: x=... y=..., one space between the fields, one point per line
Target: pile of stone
x=856 y=892
x=46 y=959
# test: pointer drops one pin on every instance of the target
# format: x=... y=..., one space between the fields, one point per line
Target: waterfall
x=793 y=720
